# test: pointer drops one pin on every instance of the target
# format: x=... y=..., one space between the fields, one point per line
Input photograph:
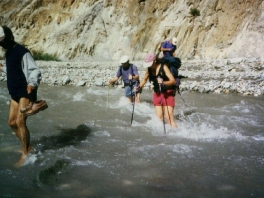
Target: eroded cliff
x=106 y=29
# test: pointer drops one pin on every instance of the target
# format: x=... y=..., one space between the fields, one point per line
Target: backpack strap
x=120 y=69
x=132 y=69
x=150 y=74
x=161 y=71
x=130 y=65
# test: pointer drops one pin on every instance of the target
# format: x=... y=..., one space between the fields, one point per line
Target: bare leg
x=169 y=113
x=158 y=111
x=17 y=121
x=129 y=99
x=13 y=110
x=138 y=98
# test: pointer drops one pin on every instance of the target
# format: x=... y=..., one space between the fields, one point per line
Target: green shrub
x=194 y=12
x=40 y=55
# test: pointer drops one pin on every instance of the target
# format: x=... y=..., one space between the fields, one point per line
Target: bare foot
x=21 y=161
x=174 y=125
x=30 y=148
x=23 y=158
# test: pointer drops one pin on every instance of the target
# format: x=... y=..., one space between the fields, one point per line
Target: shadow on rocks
x=51 y=174
x=66 y=137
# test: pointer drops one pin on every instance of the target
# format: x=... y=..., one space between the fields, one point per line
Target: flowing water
x=84 y=146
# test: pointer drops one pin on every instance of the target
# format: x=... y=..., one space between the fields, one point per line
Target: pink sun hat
x=148 y=60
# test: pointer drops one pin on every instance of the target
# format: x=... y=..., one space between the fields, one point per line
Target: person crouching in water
x=129 y=73
x=164 y=87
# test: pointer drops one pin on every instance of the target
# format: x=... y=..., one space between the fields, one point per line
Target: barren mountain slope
x=105 y=29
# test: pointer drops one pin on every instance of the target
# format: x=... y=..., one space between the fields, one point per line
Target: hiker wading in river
x=129 y=73
x=23 y=78
x=164 y=87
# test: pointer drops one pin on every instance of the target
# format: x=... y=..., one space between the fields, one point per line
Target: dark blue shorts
x=32 y=96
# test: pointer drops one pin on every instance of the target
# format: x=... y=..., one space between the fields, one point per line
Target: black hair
x=9 y=40
x=8 y=32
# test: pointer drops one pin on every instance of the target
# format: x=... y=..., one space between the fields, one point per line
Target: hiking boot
x=35 y=108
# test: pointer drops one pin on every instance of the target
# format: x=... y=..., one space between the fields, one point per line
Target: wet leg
x=158 y=112
x=129 y=99
x=13 y=110
x=138 y=98
x=169 y=113
x=17 y=122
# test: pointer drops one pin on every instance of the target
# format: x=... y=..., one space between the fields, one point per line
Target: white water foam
x=205 y=132
x=178 y=148
x=78 y=97
x=102 y=134
x=152 y=151
x=189 y=129
x=258 y=138
x=103 y=92
x=31 y=159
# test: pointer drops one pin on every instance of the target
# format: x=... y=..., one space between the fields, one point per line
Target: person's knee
x=12 y=123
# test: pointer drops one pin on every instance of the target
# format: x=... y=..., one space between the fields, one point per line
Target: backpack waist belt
x=128 y=84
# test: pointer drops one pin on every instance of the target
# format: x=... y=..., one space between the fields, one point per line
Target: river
x=85 y=146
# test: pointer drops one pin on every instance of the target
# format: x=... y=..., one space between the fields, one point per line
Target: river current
x=85 y=146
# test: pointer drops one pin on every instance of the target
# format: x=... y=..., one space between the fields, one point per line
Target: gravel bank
x=239 y=75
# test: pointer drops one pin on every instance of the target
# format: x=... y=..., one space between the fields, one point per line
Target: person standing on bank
x=23 y=78
x=129 y=73
x=161 y=77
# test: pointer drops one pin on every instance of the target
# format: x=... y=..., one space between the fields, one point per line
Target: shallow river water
x=84 y=146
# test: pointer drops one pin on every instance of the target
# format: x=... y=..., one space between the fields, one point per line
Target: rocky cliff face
x=106 y=29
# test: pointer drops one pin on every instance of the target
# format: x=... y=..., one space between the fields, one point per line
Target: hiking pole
x=162 y=108
x=107 y=103
x=182 y=98
x=133 y=101
x=178 y=88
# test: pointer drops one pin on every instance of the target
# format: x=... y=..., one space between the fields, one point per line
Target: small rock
x=81 y=83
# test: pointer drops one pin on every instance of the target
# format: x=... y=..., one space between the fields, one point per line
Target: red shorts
x=167 y=98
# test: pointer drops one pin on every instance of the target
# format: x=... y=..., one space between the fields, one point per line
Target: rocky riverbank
x=239 y=75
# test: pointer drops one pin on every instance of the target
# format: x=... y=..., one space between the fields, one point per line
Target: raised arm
x=144 y=80
x=112 y=80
